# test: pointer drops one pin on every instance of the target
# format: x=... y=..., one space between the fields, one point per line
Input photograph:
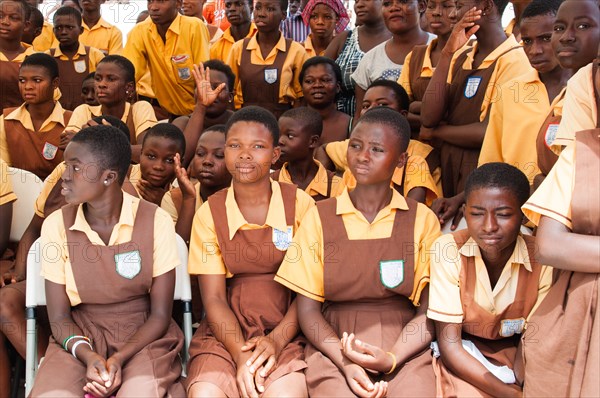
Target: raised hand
x=206 y=95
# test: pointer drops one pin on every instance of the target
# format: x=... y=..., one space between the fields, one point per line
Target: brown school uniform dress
x=317 y=197
x=561 y=354
x=466 y=95
x=374 y=313
x=32 y=151
x=256 y=89
x=484 y=328
x=418 y=84
x=10 y=95
x=258 y=302
x=113 y=308
x=545 y=156
x=72 y=73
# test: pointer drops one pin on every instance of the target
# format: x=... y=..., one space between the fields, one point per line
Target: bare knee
x=292 y=385
x=203 y=389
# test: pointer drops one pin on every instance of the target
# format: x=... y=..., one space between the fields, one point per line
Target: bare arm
x=587 y=247
x=6 y=216
x=337 y=44
x=321 y=156
x=466 y=136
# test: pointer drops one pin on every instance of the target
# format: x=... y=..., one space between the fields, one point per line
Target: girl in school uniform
x=361 y=272
x=561 y=355
x=109 y=283
x=485 y=283
x=248 y=344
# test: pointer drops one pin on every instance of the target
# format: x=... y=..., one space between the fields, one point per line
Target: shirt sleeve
x=4 y=153
x=337 y=152
x=361 y=74
x=80 y=116
x=166 y=256
x=49 y=184
x=143 y=117
x=168 y=205
x=427 y=230
x=418 y=175
x=300 y=57
x=302 y=267
x=115 y=45
x=404 y=79
x=444 y=291
x=304 y=202
x=95 y=57
x=53 y=247
x=205 y=253
x=200 y=45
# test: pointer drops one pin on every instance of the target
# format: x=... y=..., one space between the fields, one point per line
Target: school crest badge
x=49 y=151
x=472 y=86
x=282 y=239
x=391 y=273
x=270 y=75
x=128 y=264
x=550 y=135
x=80 y=66
x=183 y=72
x=509 y=327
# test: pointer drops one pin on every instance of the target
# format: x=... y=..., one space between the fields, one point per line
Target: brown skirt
x=457 y=164
x=379 y=323
x=152 y=372
x=210 y=362
x=561 y=347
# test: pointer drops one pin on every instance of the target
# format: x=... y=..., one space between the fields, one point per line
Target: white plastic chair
x=36 y=296
x=27 y=186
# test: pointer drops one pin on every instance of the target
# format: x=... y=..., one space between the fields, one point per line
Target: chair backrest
x=27 y=186
x=36 y=290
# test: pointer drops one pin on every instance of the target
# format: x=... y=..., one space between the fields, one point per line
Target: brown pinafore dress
x=261 y=83
x=484 y=328
x=72 y=72
x=258 y=302
x=317 y=197
x=113 y=308
x=561 y=352
x=10 y=95
x=356 y=301
x=33 y=151
x=466 y=95
x=418 y=84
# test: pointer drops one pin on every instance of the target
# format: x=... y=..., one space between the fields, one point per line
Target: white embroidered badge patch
x=509 y=327
x=391 y=273
x=128 y=264
x=472 y=86
x=282 y=239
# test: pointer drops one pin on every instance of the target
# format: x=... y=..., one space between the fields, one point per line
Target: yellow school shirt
x=514 y=123
x=142 y=112
x=445 y=304
x=168 y=205
x=6 y=190
x=56 y=265
x=221 y=48
x=95 y=56
x=290 y=88
x=103 y=36
x=205 y=254
x=22 y=115
x=21 y=57
x=510 y=27
x=426 y=70
x=553 y=197
x=318 y=186
x=49 y=184
x=310 y=49
x=170 y=63
x=303 y=271
x=44 y=41
x=580 y=112
x=511 y=65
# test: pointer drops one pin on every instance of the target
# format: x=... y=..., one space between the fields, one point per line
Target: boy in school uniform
x=361 y=273
x=75 y=60
x=247 y=344
x=238 y=13
x=485 y=287
x=16 y=13
x=44 y=41
x=30 y=134
x=97 y=32
x=36 y=22
x=168 y=46
x=300 y=132
x=267 y=65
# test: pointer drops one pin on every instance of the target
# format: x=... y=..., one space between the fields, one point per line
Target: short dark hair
x=45 y=61
x=314 y=61
x=68 y=11
x=398 y=90
x=169 y=131
x=389 y=118
x=115 y=122
x=220 y=128
x=499 y=175
x=258 y=115
x=220 y=66
x=541 y=7
x=24 y=6
x=90 y=76
x=109 y=146
x=36 y=18
x=308 y=117
x=123 y=63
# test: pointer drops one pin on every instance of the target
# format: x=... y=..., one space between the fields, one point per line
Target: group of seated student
x=417 y=220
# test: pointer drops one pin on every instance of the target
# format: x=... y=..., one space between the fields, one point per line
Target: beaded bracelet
x=77 y=343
